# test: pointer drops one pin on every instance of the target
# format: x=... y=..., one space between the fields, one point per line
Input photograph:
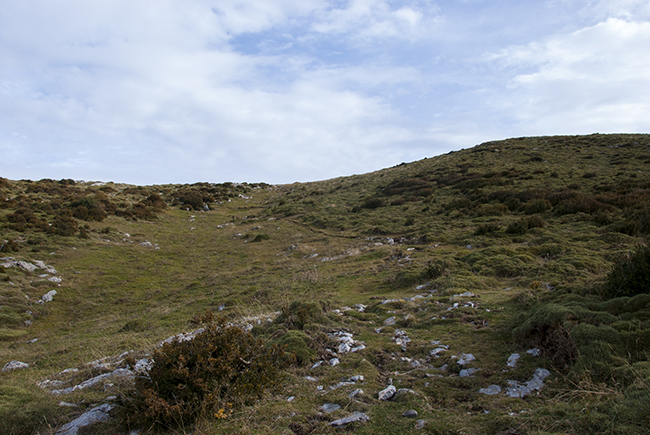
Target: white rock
x=14 y=365
x=491 y=390
x=356 y=417
x=387 y=393
x=535 y=384
x=97 y=414
x=467 y=373
x=389 y=321
x=334 y=362
x=512 y=360
x=534 y=352
x=330 y=407
x=355 y=393
x=47 y=297
x=465 y=358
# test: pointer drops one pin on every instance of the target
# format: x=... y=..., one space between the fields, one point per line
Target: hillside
x=436 y=272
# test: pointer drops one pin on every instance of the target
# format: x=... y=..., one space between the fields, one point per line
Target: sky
x=280 y=91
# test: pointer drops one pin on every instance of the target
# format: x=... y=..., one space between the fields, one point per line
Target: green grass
x=532 y=226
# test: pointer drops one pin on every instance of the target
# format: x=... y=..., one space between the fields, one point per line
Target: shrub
x=517 y=227
x=372 y=203
x=221 y=368
x=299 y=314
x=537 y=206
x=296 y=347
x=487 y=228
x=630 y=275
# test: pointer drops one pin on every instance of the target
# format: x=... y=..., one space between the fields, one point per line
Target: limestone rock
x=411 y=413
x=535 y=384
x=491 y=390
x=95 y=415
x=14 y=365
x=387 y=393
x=356 y=417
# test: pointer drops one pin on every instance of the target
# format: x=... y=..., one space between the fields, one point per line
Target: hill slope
x=498 y=249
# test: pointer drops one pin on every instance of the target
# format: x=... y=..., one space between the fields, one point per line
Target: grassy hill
x=514 y=245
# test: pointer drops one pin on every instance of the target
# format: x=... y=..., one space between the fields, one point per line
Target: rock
x=14 y=365
x=465 y=358
x=55 y=279
x=356 y=417
x=466 y=373
x=95 y=415
x=512 y=360
x=387 y=393
x=317 y=364
x=389 y=321
x=291 y=399
x=411 y=413
x=94 y=381
x=334 y=362
x=491 y=390
x=535 y=384
x=355 y=393
x=356 y=378
x=47 y=297
x=420 y=424
x=534 y=352
x=330 y=407
x=311 y=378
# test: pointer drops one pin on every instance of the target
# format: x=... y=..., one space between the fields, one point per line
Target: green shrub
x=630 y=275
x=537 y=206
x=487 y=228
x=221 y=368
x=296 y=347
x=372 y=203
x=299 y=314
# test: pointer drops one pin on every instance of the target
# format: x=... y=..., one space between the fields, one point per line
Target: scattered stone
x=355 y=417
x=402 y=392
x=387 y=393
x=465 y=358
x=420 y=424
x=330 y=407
x=14 y=365
x=467 y=373
x=55 y=279
x=411 y=413
x=535 y=384
x=95 y=415
x=390 y=321
x=317 y=364
x=401 y=339
x=47 y=297
x=311 y=378
x=491 y=390
x=334 y=362
x=534 y=352
x=512 y=360
x=291 y=398
x=356 y=378
x=355 y=393
x=67 y=405
x=94 y=381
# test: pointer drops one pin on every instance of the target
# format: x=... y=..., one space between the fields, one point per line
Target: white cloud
x=594 y=79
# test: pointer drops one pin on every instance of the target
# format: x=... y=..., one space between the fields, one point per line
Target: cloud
x=594 y=79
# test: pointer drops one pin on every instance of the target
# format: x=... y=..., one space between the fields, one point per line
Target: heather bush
x=221 y=368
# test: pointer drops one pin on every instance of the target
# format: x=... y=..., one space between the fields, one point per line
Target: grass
x=532 y=226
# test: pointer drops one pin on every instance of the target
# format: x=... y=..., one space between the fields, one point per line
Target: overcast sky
x=180 y=91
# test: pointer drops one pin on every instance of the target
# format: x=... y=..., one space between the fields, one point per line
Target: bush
x=537 y=206
x=221 y=368
x=299 y=314
x=373 y=203
x=630 y=275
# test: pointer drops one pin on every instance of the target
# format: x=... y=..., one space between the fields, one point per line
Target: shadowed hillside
x=428 y=276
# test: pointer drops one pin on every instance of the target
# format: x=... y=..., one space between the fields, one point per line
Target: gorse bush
x=221 y=368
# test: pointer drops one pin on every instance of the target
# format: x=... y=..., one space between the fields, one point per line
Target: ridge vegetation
x=509 y=246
